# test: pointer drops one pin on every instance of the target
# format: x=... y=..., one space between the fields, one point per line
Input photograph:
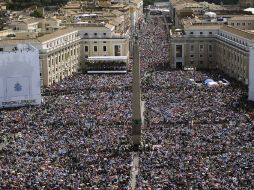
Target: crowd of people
x=77 y=139
x=153 y=42
x=194 y=137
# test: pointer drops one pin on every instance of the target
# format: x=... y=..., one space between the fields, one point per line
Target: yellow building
x=213 y=46
x=59 y=55
x=244 y=22
x=246 y=3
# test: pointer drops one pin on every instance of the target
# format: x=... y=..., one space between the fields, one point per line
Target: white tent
x=210 y=14
x=250 y=10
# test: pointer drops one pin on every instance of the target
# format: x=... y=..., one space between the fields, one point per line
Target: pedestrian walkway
x=134 y=171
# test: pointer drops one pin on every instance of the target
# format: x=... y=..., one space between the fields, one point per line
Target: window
x=95 y=49
x=95 y=34
x=104 y=34
x=201 y=47
x=179 y=51
x=201 y=33
x=191 y=32
x=192 y=47
x=117 y=49
x=210 y=47
x=86 y=48
x=104 y=42
x=243 y=23
x=95 y=42
x=191 y=55
x=232 y=24
x=201 y=55
x=104 y=48
x=210 y=33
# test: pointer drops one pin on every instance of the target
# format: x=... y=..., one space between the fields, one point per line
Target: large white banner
x=20 y=77
x=18 y=86
x=251 y=75
x=1 y=88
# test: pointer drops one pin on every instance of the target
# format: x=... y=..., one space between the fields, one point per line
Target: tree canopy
x=22 y=4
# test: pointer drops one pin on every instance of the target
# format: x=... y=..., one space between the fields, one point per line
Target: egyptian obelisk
x=136 y=96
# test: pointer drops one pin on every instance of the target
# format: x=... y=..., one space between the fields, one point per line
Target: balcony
x=232 y=42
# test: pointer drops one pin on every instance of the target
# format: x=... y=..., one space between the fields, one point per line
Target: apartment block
x=243 y=22
x=213 y=47
x=59 y=55
x=246 y=3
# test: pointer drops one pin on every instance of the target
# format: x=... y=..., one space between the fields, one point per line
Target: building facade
x=213 y=47
x=245 y=22
x=101 y=40
x=59 y=55
x=246 y=3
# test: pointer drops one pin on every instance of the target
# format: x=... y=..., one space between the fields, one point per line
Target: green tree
x=37 y=14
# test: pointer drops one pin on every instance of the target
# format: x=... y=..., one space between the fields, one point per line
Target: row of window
x=179 y=49
x=95 y=48
x=238 y=24
x=95 y=42
x=62 y=57
x=201 y=47
x=201 y=33
x=61 y=40
x=95 y=34
x=201 y=55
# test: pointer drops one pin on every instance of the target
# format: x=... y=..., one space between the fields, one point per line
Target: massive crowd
x=77 y=139
x=153 y=45
x=194 y=138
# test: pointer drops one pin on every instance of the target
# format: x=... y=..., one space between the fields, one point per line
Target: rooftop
x=242 y=17
x=246 y=34
x=56 y=34
x=204 y=27
x=17 y=41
